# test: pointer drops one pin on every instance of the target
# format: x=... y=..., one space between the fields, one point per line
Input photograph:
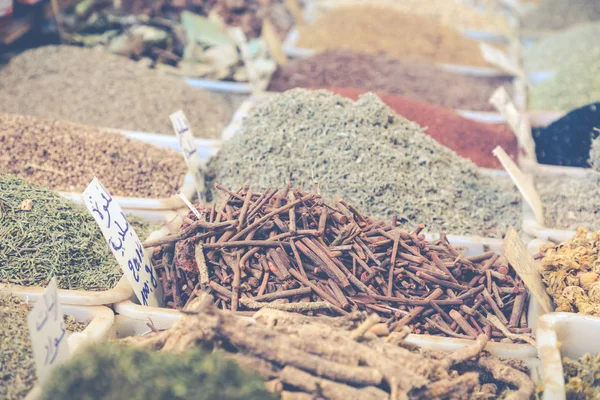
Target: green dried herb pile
x=581 y=377
x=17 y=367
x=571 y=270
x=376 y=160
x=65 y=156
x=340 y=358
x=44 y=235
x=575 y=85
x=570 y=203
x=111 y=371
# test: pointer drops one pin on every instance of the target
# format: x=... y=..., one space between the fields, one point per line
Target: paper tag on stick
x=500 y=60
x=270 y=37
x=48 y=332
x=124 y=243
x=522 y=183
x=190 y=152
x=517 y=121
x=517 y=255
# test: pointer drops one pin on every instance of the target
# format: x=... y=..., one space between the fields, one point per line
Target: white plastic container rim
x=220 y=86
x=163 y=318
x=100 y=325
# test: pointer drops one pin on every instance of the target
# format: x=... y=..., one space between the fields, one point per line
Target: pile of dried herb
x=581 y=377
x=341 y=358
x=570 y=202
x=568 y=140
x=571 y=270
x=376 y=160
x=44 y=235
x=552 y=52
x=93 y=87
x=111 y=371
x=576 y=84
x=65 y=156
x=17 y=367
x=559 y=14
x=371 y=29
x=594 y=160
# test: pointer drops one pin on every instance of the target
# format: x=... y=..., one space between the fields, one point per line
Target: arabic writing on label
x=124 y=243
x=190 y=153
x=48 y=332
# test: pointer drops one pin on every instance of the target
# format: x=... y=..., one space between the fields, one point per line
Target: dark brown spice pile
x=418 y=79
x=290 y=251
x=66 y=156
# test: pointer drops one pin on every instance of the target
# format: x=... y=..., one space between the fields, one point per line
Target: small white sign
x=48 y=332
x=190 y=153
x=124 y=243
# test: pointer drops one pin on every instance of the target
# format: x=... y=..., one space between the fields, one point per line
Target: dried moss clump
x=17 y=367
x=571 y=271
x=362 y=151
x=111 y=371
x=44 y=235
x=581 y=377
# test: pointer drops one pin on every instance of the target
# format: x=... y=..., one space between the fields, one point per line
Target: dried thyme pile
x=571 y=270
x=376 y=160
x=17 y=367
x=45 y=235
x=111 y=371
x=576 y=84
x=581 y=377
x=568 y=202
x=97 y=88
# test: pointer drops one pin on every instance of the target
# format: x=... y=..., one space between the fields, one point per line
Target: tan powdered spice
x=455 y=13
x=399 y=35
x=66 y=156
x=93 y=87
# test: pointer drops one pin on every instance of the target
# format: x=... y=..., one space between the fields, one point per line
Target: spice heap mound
x=568 y=141
x=468 y=138
x=560 y=14
x=65 y=156
x=573 y=86
x=570 y=203
x=328 y=259
x=454 y=13
x=341 y=358
x=377 y=29
x=105 y=372
x=315 y=138
x=552 y=52
x=581 y=377
x=17 y=366
x=571 y=270
x=45 y=235
x=93 y=87
x=417 y=79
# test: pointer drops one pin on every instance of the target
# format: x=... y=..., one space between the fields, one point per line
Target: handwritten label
x=500 y=60
x=124 y=243
x=269 y=35
x=48 y=332
x=517 y=121
x=524 y=184
x=517 y=255
x=190 y=152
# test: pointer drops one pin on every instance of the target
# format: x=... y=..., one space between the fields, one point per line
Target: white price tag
x=48 y=332
x=190 y=153
x=124 y=243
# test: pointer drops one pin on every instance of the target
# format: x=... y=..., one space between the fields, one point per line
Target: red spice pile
x=470 y=139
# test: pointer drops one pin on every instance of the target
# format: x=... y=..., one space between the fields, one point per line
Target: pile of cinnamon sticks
x=289 y=250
